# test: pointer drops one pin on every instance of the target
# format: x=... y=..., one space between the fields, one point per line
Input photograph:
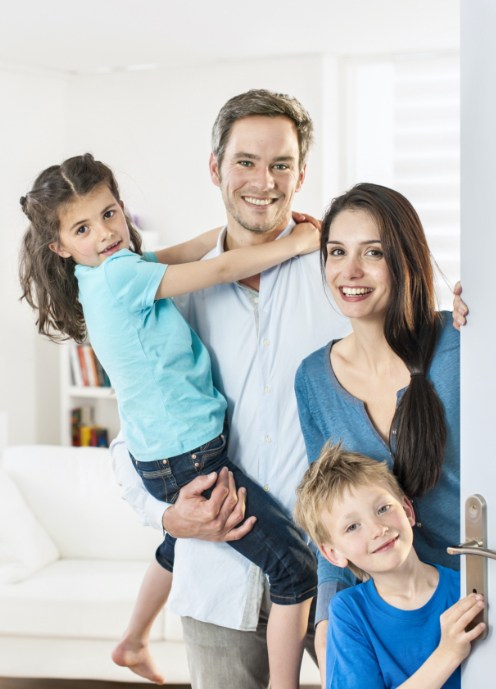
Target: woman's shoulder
x=449 y=336
x=315 y=359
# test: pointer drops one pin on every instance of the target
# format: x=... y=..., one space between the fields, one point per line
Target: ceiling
x=88 y=36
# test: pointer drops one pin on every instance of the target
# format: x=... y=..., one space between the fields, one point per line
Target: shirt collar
x=221 y=240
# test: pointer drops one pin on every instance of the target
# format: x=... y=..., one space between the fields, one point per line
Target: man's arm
x=192 y=515
x=460 y=309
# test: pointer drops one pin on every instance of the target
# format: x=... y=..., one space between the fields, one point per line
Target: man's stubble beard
x=278 y=223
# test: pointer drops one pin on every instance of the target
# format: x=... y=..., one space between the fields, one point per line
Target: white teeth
x=355 y=291
x=258 y=202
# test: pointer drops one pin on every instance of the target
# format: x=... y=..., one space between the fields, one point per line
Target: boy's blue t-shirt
x=373 y=645
x=158 y=366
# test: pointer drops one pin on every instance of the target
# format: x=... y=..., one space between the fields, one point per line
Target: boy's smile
x=371 y=528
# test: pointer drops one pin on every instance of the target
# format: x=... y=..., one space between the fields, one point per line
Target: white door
x=478 y=257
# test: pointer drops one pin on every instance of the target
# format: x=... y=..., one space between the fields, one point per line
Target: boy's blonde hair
x=326 y=480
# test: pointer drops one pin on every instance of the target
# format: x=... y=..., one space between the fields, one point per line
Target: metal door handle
x=472 y=548
x=476 y=551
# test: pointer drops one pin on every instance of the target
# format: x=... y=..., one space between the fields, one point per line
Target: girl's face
x=92 y=228
x=356 y=270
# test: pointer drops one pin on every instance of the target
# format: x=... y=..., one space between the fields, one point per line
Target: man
x=257 y=334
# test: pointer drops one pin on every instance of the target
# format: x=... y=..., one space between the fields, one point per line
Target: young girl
x=83 y=271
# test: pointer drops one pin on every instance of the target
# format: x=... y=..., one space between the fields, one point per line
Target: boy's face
x=370 y=527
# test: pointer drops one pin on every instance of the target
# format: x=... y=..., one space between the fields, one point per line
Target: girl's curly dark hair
x=47 y=280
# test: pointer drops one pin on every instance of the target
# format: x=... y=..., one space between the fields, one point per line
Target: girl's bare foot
x=137 y=657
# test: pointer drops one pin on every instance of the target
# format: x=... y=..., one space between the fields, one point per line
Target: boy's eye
x=384 y=508
x=82 y=230
x=351 y=527
x=281 y=166
x=108 y=214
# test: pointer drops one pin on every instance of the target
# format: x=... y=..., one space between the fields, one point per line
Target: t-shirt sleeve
x=350 y=659
x=314 y=440
x=133 y=280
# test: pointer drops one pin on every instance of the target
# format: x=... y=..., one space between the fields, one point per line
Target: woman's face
x=356 y=270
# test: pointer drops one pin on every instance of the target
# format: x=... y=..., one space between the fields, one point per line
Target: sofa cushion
x=79 y=504
x=75 y=598
x=25 y=547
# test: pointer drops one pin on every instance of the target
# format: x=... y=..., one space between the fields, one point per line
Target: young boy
x=403 y=626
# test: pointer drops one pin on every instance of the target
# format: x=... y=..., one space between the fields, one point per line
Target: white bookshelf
x=100 y=399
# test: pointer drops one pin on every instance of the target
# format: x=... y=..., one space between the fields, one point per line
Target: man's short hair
x=325 y=481
x=267 y=104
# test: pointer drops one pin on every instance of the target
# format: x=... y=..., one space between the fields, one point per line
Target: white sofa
x=72 y=556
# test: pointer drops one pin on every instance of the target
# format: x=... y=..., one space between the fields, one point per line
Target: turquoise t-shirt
x=158 y=366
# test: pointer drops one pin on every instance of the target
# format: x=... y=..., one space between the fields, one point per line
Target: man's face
x=259 y=174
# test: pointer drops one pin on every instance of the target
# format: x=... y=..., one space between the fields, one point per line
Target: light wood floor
x=8 y=683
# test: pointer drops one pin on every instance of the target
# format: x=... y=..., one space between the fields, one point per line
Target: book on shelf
x=84 y=431
x=86 y=370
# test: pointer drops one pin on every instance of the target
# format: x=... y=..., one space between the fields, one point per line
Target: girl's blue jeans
x=274 y=543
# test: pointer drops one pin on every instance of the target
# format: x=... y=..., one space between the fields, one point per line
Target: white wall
x=154 y=127
x=32 y=123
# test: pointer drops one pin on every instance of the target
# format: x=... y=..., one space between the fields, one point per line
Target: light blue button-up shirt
x=256 y=343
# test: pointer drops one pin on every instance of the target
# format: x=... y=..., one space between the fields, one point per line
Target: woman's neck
x=367 y=347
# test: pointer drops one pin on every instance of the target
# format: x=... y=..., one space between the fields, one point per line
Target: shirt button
x=266 y=342
x=266 y=488
x=267 y=389
x=164 y=461
x=256 y=300
x=267 y=439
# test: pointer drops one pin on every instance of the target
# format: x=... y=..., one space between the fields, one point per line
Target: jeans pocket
x=211 y=456
x=159 y=481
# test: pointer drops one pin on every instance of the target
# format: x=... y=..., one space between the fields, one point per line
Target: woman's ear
x=410 y=512
x=57 y=249
x=332 y=555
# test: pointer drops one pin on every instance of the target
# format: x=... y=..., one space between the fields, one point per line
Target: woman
x=390 y=389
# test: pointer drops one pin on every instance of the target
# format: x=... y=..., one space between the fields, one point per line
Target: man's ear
x=301 y=177
x=332 y=555
x=57 y=249
x=410 y=512
x=213 y=166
